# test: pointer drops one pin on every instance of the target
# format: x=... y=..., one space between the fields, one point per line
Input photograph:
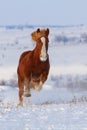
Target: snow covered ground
x=62 y=103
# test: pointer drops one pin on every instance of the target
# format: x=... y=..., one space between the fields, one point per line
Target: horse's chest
x=39 y=67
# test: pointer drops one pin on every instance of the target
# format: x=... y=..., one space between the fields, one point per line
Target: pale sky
x=43 y=12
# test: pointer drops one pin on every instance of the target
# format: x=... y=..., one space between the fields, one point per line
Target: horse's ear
x=38 y=30
x=47 y=31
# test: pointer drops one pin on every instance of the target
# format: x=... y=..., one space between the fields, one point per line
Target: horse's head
x=41 y=38
x=39 y=33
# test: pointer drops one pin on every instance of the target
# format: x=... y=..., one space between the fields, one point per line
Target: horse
x=34 y=65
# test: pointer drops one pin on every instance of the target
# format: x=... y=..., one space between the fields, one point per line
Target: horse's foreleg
x=27 y=88
x=43 y=77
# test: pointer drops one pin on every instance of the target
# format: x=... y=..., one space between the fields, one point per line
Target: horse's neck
x=37 y=52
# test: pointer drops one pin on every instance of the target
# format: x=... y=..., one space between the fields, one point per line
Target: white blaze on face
x=43 y=55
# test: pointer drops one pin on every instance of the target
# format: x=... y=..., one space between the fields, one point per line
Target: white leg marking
x=20 y=103
x=39 y=86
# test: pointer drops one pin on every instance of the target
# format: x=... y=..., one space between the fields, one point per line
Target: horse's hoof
x=27 y=95
x=20 y=104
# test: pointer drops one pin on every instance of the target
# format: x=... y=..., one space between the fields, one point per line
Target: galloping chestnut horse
x=34 y=65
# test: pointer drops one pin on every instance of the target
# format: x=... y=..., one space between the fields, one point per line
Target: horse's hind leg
x=21 y=90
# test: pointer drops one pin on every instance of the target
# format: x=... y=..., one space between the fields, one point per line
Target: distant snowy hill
x=58 y=35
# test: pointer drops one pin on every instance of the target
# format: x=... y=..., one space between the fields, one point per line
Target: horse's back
x=24 y=61
x=23 y=55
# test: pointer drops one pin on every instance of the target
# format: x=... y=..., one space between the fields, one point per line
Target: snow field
x=62 y=103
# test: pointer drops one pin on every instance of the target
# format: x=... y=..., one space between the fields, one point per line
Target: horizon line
x=37 y=25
